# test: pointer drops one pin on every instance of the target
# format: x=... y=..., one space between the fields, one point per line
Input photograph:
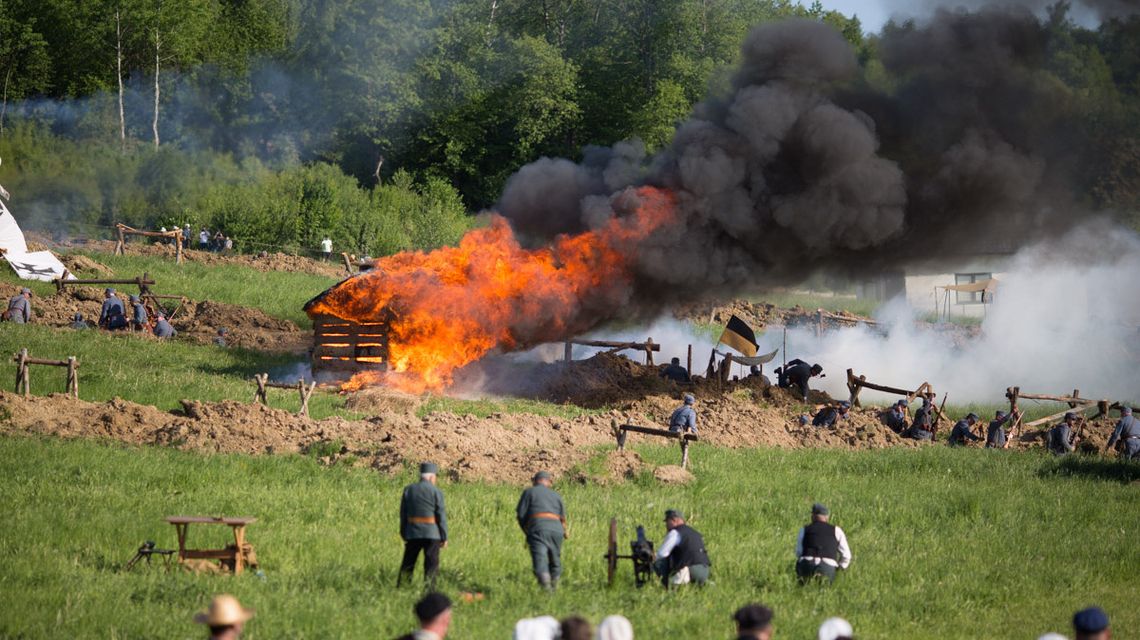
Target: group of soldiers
x=821 y=548
x=113 y=315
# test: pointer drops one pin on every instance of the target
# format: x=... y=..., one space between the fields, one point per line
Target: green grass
x=146 y=371
x=948 y=543
x=280 y=294
x=483 y=408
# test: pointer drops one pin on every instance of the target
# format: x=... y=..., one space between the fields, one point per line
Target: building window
x=971 y=297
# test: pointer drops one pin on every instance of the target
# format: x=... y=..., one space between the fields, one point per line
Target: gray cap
x=1070 y=416
x=543 y=475
x=843 y=404
x=428 y=467
x=674 y=514
x=999 y=414
x=26 y=290
x=109 y=291
x=689 y=399
x=972 y=416
x=134 y=298
x=820 y=510
x=1125 y=411
x=903 y=402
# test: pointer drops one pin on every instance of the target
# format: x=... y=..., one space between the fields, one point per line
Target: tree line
x=383 y=123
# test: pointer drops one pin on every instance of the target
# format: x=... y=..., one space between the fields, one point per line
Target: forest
x=386 y=124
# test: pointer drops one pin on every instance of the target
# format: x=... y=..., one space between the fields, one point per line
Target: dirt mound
x=197 y=321
x=82 y=266
x=672 y=474
x=622 y=466
x=762 y=314
x=269 y=262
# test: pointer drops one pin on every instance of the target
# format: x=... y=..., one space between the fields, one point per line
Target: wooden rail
x=124 y=231
x=649 y=346
x=855 y=384
x=685 y=438
x=143 y=282
x=23 y=379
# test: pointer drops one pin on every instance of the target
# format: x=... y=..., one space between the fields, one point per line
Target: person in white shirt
x=326 y=248
x=681 y=558
x=821 y=547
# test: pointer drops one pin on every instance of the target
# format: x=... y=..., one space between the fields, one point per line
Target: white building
x=955 y=286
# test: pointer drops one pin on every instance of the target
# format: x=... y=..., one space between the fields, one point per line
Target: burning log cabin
x=342 y=348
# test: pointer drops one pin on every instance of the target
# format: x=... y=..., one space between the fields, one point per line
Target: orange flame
x=452 y=306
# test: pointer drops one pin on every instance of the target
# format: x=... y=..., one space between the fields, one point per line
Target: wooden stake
x=178 y=248
x=22 y=372
x=73 y=377
x=260 y=395
x=306 y=393
x=649 y=351
x=684 y=453
x=569 y=352
x=690 y=361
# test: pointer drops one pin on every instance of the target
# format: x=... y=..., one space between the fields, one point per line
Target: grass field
x=947 y=543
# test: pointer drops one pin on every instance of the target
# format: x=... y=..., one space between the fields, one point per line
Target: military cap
x=134 y=298
x=999 y=414
x=972 y=416
x=26 y=290
x=77 y=317
x=429 y=467
x=109 y=291
x=843 y=404
x=902 y=402
x=1091 y=620
x=543 y=475
x=818 y=509
x=1070 y=416
x=674 y=514
x=753 y=616
x=431 y=606
x=1125 y=411
x=815 y=368
x=689 y=399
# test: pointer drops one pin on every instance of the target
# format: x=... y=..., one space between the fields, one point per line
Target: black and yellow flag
x=738 y=335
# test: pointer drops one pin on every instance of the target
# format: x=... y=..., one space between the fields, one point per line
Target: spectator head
x=836 y=629
x=1091 y=624
x=689 y=399
x=434 y=613
x=541 y=628
x=543 y=477
x=428 y=471
x=614 y=628
x=225 y=617
x=820 y=512
x=574 y=628
x=754 y=620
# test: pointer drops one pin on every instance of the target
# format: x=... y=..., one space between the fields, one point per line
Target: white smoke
x=1066 y=316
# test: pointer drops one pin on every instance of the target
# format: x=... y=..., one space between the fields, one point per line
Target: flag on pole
x=738 y=335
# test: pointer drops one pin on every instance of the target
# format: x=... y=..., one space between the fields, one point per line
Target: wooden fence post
x=819 y=323
x=73 y=377
x=649 y=351
x=306 y=393
x=178 y=248
x=22 y=372
x=568 y=355
x=259 y=395
x=690 y=362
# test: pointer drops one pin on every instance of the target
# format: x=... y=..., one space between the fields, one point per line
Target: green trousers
x=546 y=550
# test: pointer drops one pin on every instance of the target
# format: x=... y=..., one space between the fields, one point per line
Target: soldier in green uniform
x=423 y=524
x=542 y=517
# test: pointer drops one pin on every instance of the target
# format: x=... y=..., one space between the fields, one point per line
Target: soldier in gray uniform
x=1060 y=436
x=1128 y=430
x=20 y=307
x=896 y=417
x=676 y=372
x=138 y=316
x=961 y=431
x=542 y=517
x=921 y=428
x=162 y=328
x=996 y=437
x=111 y=315
x=684 y=418
x=77 y=322
x=423 y=525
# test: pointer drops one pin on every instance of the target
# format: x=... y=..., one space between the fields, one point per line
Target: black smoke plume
x=804 y=165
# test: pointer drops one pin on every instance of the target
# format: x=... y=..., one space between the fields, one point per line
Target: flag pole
x=785 y=350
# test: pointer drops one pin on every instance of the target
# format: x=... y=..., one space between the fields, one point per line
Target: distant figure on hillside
x=1128 y=432
x=186 y=235
x=162 y=328
x=204 y=239
x=996 y=435
x=220 y=339
x=684 y=418
x=423 y=525
x=226 y=617
x=614 y=628
x=896 y=417
x=675 y=372
x=541 y=515
x=433 y=612
x=962 y=431
x=821 y=547
x=921 y=428
x=829 y=416
x=836 y=629
x=77 y=322
x=228 y=246
x=796 y=374
x=111 y=315
x=1091 y=624
x=326 y=248
x=20 y=307
x=139 y=316
x=753 y=622
x=1060 y=438
x=681 y=558
x=219 y=241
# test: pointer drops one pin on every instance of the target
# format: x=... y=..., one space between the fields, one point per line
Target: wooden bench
x=235 y=556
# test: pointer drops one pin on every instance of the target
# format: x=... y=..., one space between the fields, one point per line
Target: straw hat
x=224 y=611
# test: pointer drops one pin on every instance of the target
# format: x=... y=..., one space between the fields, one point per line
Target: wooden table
x=235 y=555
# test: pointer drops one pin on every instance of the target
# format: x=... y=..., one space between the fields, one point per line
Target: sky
x=875 y=13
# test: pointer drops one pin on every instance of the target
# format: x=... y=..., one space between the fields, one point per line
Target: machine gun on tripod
x=146 y=550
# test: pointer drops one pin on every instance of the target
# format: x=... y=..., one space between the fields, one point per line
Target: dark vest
x=820 y=542
x=689 y=551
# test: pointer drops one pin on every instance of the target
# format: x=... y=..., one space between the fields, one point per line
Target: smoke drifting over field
x=803 y=166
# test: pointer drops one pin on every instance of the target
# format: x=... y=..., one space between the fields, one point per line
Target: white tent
x=36 y=265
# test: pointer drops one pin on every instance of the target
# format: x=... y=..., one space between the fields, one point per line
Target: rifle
x=1013 y=429
x=938 y=418
x=1079 y=434
x=146 y=550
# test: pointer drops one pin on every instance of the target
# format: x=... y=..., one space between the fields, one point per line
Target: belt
x=546 y=515
x=815 y=560
x=421 y=519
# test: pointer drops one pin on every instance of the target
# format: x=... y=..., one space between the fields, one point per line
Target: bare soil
x=269 y=262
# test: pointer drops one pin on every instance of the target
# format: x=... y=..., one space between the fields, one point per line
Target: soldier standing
x=1128 y=430
x=423 y=524
x=542 y=517
x=682 y=558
